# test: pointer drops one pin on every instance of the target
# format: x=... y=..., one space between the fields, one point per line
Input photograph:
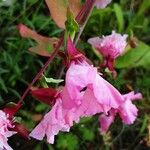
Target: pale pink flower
x=110 y=47
x=102 y=3
x=127 y=111
x=83 y=75
x=5 y=125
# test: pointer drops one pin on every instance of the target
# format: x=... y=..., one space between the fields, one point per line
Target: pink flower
x=5 y=125
x=85 y=94
x=102 y=3
x=52 y=123
x=110 y=46
x=127 y=112
x=83 y=75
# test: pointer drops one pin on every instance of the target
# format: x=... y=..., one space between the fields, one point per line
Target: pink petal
x=102 y=3
x=78 y=77
x=105 y=93
x=5 y=125
x=133 y=96
x=106 y=121
x=89 y=105
x=52 y=123
x=128 y=112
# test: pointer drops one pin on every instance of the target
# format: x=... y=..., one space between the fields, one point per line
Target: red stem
x=42 y=70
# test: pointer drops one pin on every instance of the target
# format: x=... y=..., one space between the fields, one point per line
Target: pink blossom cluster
x=5 y=132
x=85 y=94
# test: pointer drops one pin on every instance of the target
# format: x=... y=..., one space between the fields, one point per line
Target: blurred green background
x=18 y=67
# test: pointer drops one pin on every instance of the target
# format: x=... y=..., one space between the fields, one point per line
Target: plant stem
x=42 y=70
x=90 y=4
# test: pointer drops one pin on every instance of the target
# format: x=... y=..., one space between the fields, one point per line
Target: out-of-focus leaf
x=1 y=100
x=68 y=141
x=58 y=10
x=6 y=2
x=143 y=7
x=2 y=85
x=119 y=15
x=139 y=56
x=32 y=1
x=41 y=107
x=87 y=134
x=45 y=45
x=3 y=71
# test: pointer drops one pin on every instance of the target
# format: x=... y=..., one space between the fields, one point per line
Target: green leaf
x=87 y=133
x=119 y=14
x=41 y=107
x=68 y=142
x=135 y=57
x=2 y=85
x=71 y=25
x=52 y=80
x=143 y=7
x=17 y=119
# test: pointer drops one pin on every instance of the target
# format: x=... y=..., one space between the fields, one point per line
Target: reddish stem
x=85 y=11
x=42 y=70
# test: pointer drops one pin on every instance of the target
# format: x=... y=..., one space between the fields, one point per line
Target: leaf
x=58 y=10
x=135 y=57
x=71 y=25
x=68 y=141
x=45 y=45
x=41 y=107
x=2 y=85
x=119 y=15
x=52 y=80
x=143 y=7
x=87 y=134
